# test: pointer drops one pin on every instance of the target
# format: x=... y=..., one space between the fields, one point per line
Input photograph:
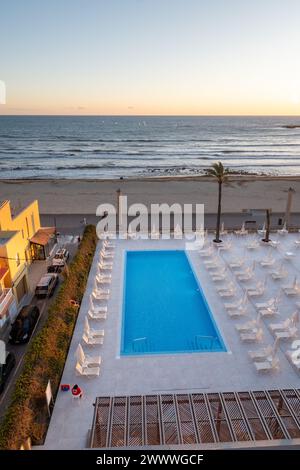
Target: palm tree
x=218 y=171
x=268 y=226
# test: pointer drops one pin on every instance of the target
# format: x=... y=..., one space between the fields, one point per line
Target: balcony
x=6 y=298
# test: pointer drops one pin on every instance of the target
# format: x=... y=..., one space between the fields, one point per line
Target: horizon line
x=150 y=115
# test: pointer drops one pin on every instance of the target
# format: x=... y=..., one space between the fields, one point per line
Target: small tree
x=220 y=173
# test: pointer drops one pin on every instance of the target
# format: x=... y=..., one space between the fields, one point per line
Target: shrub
x=27 y=415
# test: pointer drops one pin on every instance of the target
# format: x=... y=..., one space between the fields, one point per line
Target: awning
x=43 y=235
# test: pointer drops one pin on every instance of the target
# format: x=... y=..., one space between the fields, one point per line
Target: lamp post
x=119 y=211
x=291 y=191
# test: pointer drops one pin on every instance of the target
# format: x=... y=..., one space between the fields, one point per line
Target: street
x=20 y=350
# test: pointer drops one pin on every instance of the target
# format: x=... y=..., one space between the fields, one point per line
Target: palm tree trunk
x=268 y=226
x=219 y=213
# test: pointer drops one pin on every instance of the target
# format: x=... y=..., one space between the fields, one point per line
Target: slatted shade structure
x=196 y=418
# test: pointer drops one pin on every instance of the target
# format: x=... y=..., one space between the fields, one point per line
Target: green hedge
x=27 y=415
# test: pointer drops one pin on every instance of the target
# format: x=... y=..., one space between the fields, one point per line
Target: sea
x=104 y=147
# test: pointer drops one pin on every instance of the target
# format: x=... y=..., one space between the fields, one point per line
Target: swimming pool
x=164 y=308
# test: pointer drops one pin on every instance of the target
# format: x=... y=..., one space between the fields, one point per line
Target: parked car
x=23 y=326
x=54 y=269
x=60 y=257
x=5 y=369
x=46 y=285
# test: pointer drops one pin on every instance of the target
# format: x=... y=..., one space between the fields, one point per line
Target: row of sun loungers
x=251 y=331
x=89 y=365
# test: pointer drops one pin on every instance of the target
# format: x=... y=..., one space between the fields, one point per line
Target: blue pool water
x=165 y=310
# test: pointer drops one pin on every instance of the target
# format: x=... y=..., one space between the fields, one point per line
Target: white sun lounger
x=105 y=266
x=92 y=341
x=103 y=280
x=97 y=316
x=242 y=231
x=267 y=262
x=222 y=230
x=267 y=365
x=247 y=275
x=85 y=360
x=236 y=263
x=279 y=273
x=262 y=231
x=224 y=246
x=252 y=336
x=106 y=255
x=87 y=371
x=99 y=296
x=273 y=302
x=252 y=245
x=269 y=312
x=280 y=326
x=97 y=308
x=248 y=326
x=219 y=276
x=263 y=353
x=293 y=289
x=234 y=305
x=226 y=291
x=91 y=332
x=283 y=230
x=215 y=261
x=206 y=252
x=289 y=255
x=101 y=291
x=274 y=243
x=108 y=249
x=229 y=293
x=108 y=244
x=258 y=290
x=103 y=275
x=238 y=312
x=286 y=334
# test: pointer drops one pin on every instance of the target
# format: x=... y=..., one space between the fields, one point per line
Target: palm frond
x=218 y=171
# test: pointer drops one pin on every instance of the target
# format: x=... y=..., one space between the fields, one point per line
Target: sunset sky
x=150 y=56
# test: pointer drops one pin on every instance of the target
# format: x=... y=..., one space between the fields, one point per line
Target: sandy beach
x=83 y=196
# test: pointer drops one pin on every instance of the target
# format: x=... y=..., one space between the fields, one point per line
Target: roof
x=43 y=235
x=6 y=235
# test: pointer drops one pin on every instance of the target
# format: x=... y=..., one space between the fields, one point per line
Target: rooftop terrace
x=203 y=372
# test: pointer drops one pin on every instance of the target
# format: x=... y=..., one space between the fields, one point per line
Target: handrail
x=212 y=339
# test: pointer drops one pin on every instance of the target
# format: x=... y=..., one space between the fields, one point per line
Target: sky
x=150 y=57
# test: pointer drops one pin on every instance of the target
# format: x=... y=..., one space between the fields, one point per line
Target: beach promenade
x=75 y=197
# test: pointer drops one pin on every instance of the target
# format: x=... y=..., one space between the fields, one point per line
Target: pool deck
x=174 y=373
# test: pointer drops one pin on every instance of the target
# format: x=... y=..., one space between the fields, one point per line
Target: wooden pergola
x=196 y=418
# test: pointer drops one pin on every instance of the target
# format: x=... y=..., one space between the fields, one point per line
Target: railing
x=140 y=344
x=205 y=343
x=6 y=298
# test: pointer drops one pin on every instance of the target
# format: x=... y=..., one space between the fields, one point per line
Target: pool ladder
x=140 y=344
x=204 y=343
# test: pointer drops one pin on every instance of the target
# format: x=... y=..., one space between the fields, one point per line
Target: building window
x=23 y=234
x=18 y=259
x=32 y=223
